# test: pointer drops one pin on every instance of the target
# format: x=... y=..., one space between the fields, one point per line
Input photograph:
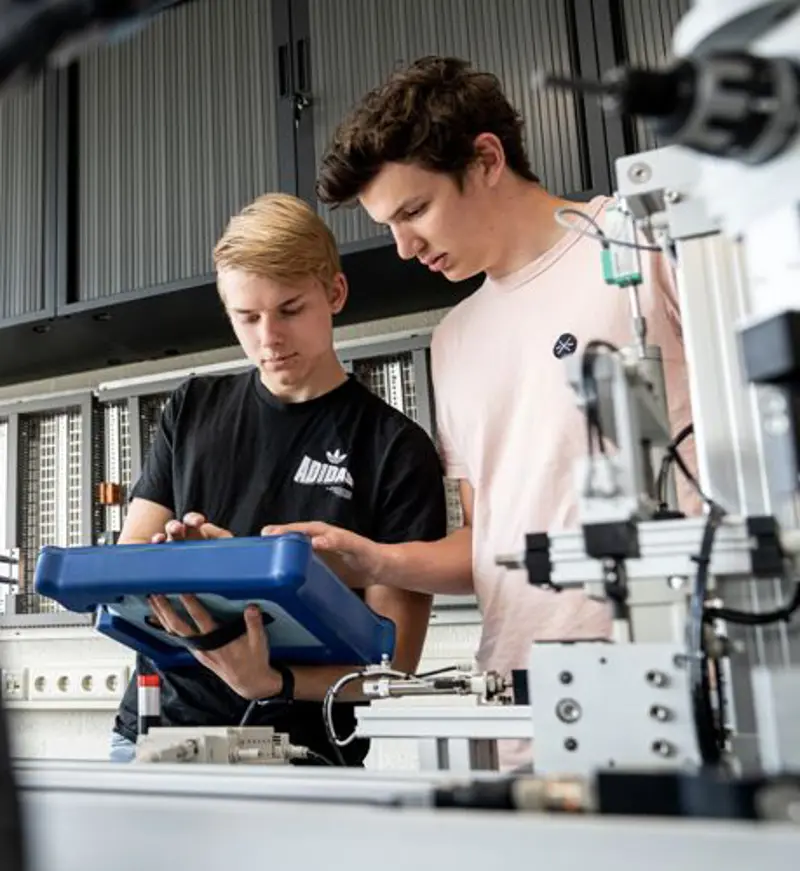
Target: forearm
x=443 y=566
x=311 y=682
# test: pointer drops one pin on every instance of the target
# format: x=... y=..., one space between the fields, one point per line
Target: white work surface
x=93 y=817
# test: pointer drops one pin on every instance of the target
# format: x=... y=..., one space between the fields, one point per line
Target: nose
x=270 y=333
x=408 y=244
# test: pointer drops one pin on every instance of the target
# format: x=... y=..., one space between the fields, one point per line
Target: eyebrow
x=403 y=207
x=250 y=311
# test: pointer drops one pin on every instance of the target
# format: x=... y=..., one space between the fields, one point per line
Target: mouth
x=278 y=362
x=435 y=264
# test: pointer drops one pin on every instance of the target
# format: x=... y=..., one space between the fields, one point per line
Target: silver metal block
x=777 y=705
x=449 y=737
x=597 y=705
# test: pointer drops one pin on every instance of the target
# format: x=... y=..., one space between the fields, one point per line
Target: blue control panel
x=311 y=616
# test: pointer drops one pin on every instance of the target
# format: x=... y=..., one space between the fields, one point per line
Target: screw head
x=656 y=678
x=568 y=711
x=660 y=713
x=663 y=748
x=571 y=745
x=640 y=173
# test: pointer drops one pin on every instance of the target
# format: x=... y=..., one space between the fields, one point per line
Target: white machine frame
x=736 y=233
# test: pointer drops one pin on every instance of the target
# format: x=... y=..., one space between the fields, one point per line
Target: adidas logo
x=333 y=475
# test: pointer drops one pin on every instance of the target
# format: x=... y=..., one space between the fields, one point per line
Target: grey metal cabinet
x=355 y=44
x=23 y=293
x=176 y=131
x=118 y=174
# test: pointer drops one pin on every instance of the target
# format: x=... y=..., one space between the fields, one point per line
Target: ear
x=490 y=158
x=337 y=295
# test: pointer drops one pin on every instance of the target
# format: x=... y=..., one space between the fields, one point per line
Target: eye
x=416 y=211
x=295 y=310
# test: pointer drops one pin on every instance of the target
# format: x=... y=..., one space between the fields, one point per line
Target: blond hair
x=280 y=237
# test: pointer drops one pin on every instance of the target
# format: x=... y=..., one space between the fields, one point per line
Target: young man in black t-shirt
x=294 y=439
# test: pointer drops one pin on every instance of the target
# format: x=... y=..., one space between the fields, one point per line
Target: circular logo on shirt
x=565 y=345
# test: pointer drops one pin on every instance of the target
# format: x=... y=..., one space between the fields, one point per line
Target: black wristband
x=286 y=693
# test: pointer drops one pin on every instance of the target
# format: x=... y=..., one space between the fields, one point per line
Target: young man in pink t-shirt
x=436 y=155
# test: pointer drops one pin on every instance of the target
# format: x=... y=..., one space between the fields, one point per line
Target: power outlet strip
x=74 y=683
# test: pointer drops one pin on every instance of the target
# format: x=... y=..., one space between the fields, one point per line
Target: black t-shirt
x=228 y=448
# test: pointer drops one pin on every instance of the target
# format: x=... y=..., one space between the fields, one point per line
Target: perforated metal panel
x=177 y=133
x=150 y=409
x=50 y=489
x=22 y=202
x=455 y=512
x=649 y=25
x=391 y=378
x=355 y=44
x=116 y=459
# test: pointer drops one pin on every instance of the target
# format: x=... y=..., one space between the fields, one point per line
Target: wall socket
x=14 y=684
x=73 y=683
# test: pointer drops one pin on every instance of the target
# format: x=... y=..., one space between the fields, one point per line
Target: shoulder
x=452 y=326
x=457 y=332
x=201 y=397
x=392 y=427
x=215 y=388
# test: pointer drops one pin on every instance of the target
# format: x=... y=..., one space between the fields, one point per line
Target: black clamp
x=615 y=541
x=537 y=560
x=766 y=558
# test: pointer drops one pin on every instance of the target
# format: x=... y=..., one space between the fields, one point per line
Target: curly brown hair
x=428 y=113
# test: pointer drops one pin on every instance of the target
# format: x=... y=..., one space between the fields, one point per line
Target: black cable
x=763 y=618
x=436 y=671
x=312 y=754
x=577 y=213
x=248 y=713
x=667 y=461
x=707 y=726
x=599 y=235
x=707 y=731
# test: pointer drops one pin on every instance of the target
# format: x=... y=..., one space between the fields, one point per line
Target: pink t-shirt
x=508 y=422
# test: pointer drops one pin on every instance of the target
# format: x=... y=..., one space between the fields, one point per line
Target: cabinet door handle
x=303 y=66
x=283 y=70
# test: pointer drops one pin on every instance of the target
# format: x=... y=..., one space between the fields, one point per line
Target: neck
x=525 y=227
x=327 y=375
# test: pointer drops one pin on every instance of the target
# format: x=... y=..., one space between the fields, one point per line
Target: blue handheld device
x=311 y=616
